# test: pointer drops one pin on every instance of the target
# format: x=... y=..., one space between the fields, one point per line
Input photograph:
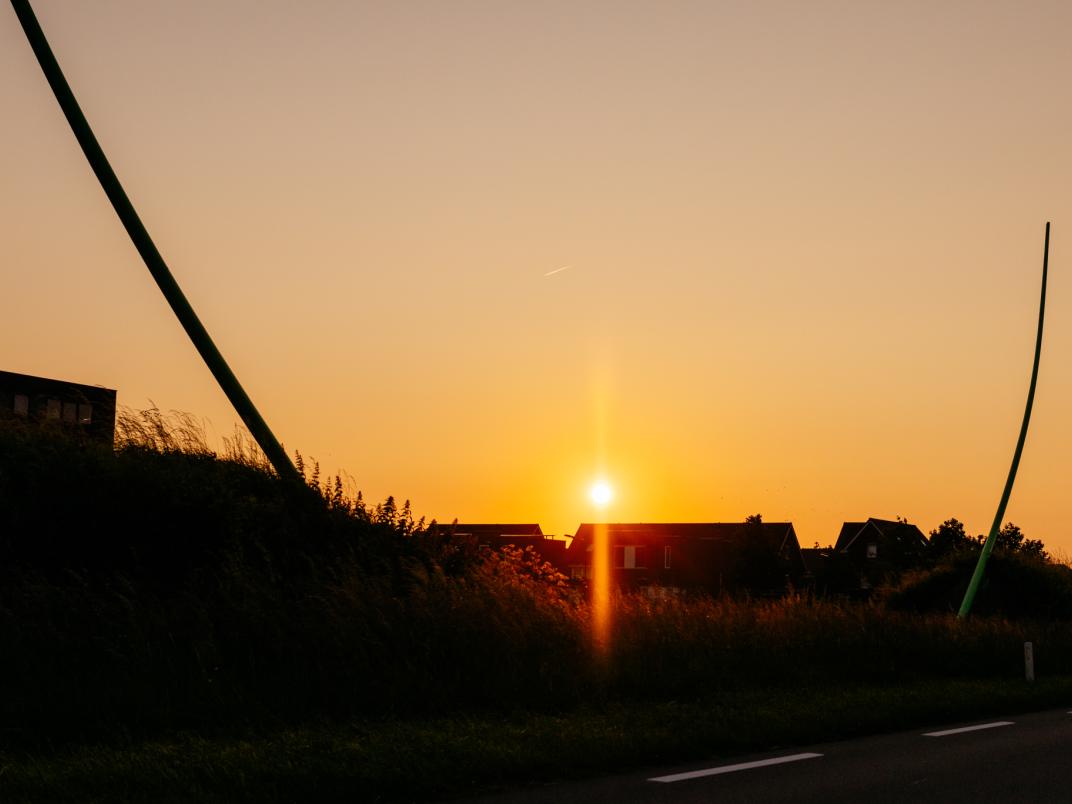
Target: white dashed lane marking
x=740 y=766
x=765 y=763
x=980 y=727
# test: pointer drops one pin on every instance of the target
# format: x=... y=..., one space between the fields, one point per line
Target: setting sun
x=601 y=493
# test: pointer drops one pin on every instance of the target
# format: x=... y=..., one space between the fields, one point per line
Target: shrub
x=1016 y=585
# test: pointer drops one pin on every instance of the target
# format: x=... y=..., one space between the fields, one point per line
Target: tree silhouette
x=1011 y=539
x=950 y=537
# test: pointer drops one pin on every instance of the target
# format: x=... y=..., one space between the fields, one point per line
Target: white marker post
x=1029 y=661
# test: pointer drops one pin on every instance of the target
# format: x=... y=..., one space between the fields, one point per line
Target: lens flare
x=601 y=591
x=601 y=494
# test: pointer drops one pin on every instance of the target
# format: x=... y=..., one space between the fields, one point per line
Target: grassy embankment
x=175 y=626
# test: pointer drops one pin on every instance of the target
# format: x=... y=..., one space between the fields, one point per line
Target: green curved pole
x=146 y=248
x=992 y=537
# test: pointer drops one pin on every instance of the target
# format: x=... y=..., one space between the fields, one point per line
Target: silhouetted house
x=815 y=560
x=759 y=558
x=868 y=554
x=496 y=536
x=85 y=409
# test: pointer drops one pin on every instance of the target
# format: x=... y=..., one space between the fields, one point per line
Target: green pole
x=988 y=545
x=146 y=248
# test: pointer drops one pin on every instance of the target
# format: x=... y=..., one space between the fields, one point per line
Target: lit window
x=53 y=409
x=22 y=405
x=872 y=550
x=666 y=557
x=70 y=412
x=628 y=557
x=85 y=414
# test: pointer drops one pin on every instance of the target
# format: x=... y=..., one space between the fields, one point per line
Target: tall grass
x=164 y=587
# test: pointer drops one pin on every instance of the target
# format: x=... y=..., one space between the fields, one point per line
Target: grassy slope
x=406 y=760
x=160 y=592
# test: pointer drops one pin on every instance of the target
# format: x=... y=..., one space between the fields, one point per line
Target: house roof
x=774 y=532
x=35 y=384
x=883 y=528
x=849 y=531
x=492 y=530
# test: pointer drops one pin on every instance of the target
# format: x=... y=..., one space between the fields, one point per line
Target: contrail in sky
x=558 y=270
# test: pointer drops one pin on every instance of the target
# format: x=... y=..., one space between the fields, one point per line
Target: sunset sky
x=733 y=257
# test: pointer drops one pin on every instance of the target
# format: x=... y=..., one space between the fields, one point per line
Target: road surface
x=1022 y=758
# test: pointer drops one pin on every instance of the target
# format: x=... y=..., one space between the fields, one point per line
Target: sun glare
x=601 y=493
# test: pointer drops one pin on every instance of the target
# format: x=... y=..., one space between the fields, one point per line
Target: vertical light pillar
x=601 y=588
x=602 y=583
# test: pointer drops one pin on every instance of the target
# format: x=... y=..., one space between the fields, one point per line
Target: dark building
x=869 y=554
x=85 y=409
x=815 y=561
x=753 y=557
x=553 y=551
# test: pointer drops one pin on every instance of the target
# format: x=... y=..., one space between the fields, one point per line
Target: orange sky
x=804 y=245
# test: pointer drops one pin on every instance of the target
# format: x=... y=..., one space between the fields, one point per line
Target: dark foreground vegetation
x=175 y=626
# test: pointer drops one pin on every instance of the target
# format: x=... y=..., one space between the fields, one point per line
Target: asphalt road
x=1009 y=759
